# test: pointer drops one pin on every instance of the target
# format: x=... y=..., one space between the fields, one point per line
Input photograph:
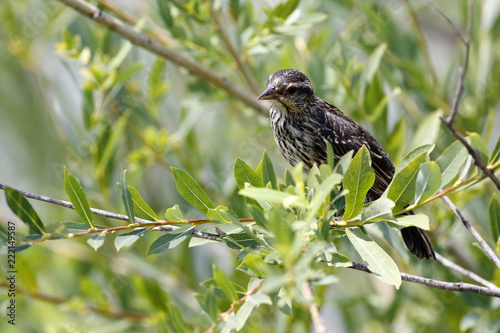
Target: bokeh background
x=74 y=94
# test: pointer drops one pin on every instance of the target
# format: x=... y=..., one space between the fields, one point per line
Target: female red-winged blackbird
x=301 y=122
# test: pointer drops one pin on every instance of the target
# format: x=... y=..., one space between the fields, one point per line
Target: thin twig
x=464 y=271
x=484 y=245
x=152 y=45
x=121 y=314
x=319 y=327
x=243 y=68
x=140 y=222
x=451 y=286
x=448 y=121
x=447 y=18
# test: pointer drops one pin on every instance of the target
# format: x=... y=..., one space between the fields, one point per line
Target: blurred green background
x=390 y=65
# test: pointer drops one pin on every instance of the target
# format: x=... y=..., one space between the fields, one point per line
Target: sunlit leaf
x=451 y=161
x=127 y=197
x=128 y=238
x=23 y=209
x=191 y=191
x=170 y=239
x=96 y=241
x=141 y=208
x=78 y=198
x=267 y=170
x=378 y=261
x=174 y=214
x=494 y=212
x=428 y=181
x=413 y=220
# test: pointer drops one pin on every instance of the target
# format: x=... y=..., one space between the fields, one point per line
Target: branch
x=448 y=121
x=121 y=314
x=243 y=68
x=147 y=42
x=139 y=222
x=484 y=245
x=313 y=309
x=464 y=271
x=451 y=286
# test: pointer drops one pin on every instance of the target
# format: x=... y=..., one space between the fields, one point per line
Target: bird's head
x=289 y=88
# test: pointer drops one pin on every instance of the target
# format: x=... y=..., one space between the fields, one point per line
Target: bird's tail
x=417 y=242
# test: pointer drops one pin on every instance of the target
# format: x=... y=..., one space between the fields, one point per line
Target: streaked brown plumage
x=301 y=122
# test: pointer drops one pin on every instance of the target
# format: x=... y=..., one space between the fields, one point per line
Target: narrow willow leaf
x=330 y=155
x=494 y=212
x=140 y=206
x=127 y=197
x=96 y=241
x=358 y=179
x=495 y=154
x=413 y=154
x=323 y=191
x=427 y=131
x=250 y=304
x=177 y=320
x=284 y=302
x=428 y=181
x=219 y=215
x=243 y=173
x=477 y=143
x=129 y=238
x=174 y=214
x=402 y=188
x=170 y=240
x=370 y=69
x=126 y=72
x=378 y=210
x=273 y=196
x=111 y=143
x=23 y=209
x=451 y=161
x=191 y=191
x=417 y=220
x=78 y=198
x=225 y=284
x=165 y=14
x=378 y=261
x=258 y=215
x=343 y=163
x=267 y=171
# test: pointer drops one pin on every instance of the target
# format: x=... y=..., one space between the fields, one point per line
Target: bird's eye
x=291 y=90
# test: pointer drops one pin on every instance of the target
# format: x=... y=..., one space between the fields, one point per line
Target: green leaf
x=165 y=14
x=413 y=154
x=141 y=208
x=428 y=181
x=370 y=69
x=170 y=239
x=284 y=302
x=273 y=196
x=126 y=72
x=495 y=154
x=477 y=143
x=111 y=143
x=129 y=238
x=174 y=214
x=127 y=197
x=334 y=259
x=120 y=56
x=323 y=192
x=258 y=216
x=225 y=284
x=378 y=261
x=177 y=319
x=427 y=131
x=243 y=173
x=451 y=161
x=378 y=210
x=219 y=214
x=417 y=220
x=191 y=191
x=358 y=179
x=267 y=170
x=402 y=188
x=78 y=198
x=96 y=241
x=494 y=212
x=343 y=164
x=249 y=305
x=23 y=209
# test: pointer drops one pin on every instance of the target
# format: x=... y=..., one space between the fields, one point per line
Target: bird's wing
x=345 y=135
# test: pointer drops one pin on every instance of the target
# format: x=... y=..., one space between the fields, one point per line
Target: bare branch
x=464 y=271
x=451 y=286
x=152 y=45
x=319 y=327
x=447 y=18
x=484 y=245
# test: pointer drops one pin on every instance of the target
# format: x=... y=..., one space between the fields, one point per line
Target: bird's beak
x=269 y=94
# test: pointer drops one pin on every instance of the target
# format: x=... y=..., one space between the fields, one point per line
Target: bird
x=302 y=121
